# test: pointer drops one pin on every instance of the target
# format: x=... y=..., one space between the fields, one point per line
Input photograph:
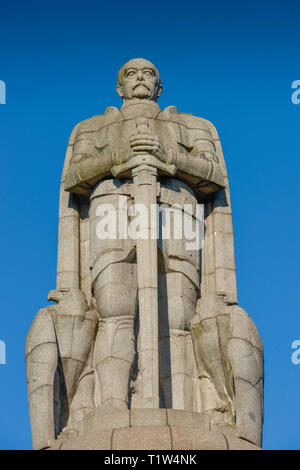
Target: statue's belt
x=167 y=193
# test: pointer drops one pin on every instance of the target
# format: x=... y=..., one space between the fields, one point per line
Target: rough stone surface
x=194 y=440
x=155 y=438
x=142 y=438
x=146 y=346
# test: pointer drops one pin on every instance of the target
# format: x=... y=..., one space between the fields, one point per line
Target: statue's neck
x=136 y=101
x=136 y=107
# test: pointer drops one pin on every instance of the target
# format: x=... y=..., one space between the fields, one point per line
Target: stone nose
x=140 y=75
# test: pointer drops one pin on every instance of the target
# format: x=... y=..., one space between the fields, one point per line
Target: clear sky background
x=230 y=62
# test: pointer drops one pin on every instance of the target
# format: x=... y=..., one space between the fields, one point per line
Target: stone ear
x=120 y=91
x=159 y=91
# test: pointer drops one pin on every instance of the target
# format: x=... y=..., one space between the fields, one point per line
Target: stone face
x=146 y=347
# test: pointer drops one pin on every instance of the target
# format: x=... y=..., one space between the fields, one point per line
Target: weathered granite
x=148 y=429
x=146 y=347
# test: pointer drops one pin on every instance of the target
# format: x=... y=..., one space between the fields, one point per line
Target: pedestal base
x=148 y=429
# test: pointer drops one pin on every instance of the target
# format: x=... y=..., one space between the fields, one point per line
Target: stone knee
x=177 y=306
x=114 y=354
x=177 y=301
x=115 y=290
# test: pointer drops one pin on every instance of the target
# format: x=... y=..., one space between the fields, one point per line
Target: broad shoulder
x=98 y=121
x=188 y=120
x=194 y=122
x=90 y=124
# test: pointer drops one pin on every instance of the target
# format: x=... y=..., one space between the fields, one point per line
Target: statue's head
x=138 y=79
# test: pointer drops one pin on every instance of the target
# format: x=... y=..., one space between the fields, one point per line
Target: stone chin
x=142 y=93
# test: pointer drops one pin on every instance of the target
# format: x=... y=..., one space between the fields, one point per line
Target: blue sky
x=230 y=62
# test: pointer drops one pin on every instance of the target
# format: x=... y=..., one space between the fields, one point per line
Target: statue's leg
x=177 y=305
x=114 y=287
x=178 y=293
x=115 y=291
x=210 y=335
x=245 y=353
x=41 y=354
x=83 y=400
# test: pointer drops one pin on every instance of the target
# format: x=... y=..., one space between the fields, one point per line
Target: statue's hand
x=147 y=143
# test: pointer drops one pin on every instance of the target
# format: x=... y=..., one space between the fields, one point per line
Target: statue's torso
x=107 y=137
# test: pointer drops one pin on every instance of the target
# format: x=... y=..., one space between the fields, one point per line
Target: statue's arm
x=198 y=166
x=89 y=163
x=196 y=156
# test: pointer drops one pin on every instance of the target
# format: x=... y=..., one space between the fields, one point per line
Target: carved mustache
x=140 y=84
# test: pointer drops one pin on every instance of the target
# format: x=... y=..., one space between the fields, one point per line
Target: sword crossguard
x=143 y=159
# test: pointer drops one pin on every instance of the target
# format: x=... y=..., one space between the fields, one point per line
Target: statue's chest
x=117 y=135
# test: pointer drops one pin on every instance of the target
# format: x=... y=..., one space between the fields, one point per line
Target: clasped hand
x=147 y=143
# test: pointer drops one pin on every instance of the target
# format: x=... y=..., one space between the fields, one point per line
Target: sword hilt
x=143 y=158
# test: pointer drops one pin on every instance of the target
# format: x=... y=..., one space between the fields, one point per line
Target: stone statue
x=146 y=337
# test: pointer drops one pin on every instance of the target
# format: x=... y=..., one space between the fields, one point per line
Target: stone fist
x=147 y=143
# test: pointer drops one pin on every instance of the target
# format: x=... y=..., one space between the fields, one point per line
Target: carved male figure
x=202 y=332
x=100 y=144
